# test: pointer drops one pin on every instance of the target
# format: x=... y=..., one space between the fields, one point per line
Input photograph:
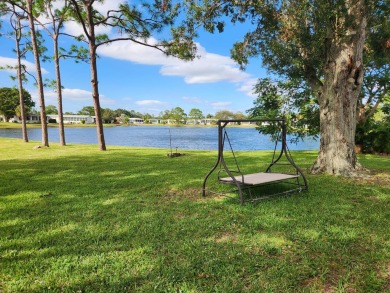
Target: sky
x=135 y=77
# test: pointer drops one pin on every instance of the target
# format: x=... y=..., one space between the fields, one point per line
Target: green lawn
x=74 y=219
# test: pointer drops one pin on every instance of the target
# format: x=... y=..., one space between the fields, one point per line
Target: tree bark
x=18 y=35
x=94 y=79
x=45 y=137
x=59 y=91
x=339 y=96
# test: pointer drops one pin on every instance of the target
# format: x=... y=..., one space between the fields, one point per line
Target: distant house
x=156 y=121
x=193 y=121
x=31 y=118
x=136 y=120
x=72 y=119
x=208 y=121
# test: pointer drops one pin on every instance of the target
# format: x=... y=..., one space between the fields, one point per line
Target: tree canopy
x=318 y=44
x=195 y=113
x=51 y=109
x=9 y=101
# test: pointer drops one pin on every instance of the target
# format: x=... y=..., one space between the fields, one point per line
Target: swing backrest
x=281 y=160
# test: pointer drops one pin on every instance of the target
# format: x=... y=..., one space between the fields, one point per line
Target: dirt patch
x=226 y=237
x=193 y=193
x=373 y=177
x=386 y=275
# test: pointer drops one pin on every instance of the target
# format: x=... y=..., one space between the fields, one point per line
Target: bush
x=374 y=136
x=52 y=121
x=381 y=138
x=82 y=121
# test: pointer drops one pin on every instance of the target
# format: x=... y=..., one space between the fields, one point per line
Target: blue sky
x=138 y=78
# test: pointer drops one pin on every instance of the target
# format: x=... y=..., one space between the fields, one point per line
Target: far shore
x=13 y=125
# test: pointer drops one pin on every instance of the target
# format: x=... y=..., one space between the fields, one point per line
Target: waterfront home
x=72 y=119
x=156 y=121
x=30 y=118
x=136 y=120
x=208 y=121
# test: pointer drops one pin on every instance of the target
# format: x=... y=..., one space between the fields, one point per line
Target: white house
x=73 y=119
x=156 y=121
x=208 y=121
x=31 y=118
x=136 y=120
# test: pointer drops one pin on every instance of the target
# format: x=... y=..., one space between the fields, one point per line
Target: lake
x=184 y=138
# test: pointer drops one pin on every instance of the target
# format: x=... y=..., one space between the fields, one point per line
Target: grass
x=73 y=219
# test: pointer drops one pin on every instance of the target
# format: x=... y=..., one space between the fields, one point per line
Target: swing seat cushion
x=259 y=178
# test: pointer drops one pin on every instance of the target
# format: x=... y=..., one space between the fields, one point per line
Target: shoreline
x=12 y=125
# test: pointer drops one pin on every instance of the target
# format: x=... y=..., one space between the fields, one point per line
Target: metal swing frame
x=248 y=181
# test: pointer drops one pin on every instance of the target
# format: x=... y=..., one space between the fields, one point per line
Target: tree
x=36 y=52
x=108 y=115
x=147 y=117
x=319 y=43
x=137 y=22
x=195 y=114
x=87 y=110
x=375 y=88
x=28 y=7
x=298 y=105
x=178 y=115
x=239 y=115
x=119 y=112
x=9 y=101
x=135 y=114
x=51 y=109
x=224 y=115
x=289 y=100
x=165 y=114
x=16 y=18
x=57 y=18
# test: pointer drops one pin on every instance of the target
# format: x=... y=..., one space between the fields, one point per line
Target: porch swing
x=250 y=184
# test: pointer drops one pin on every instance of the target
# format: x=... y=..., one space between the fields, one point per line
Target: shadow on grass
x=134 y=220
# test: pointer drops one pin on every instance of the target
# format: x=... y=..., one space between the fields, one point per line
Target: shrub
x=52 y=120
x=381 y=137
x=374 y=136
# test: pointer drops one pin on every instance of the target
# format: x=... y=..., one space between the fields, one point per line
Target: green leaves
x=287 y=99
x=9 y=101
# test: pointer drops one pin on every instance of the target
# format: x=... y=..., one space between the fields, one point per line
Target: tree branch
x=80 y=17
x=158 y=47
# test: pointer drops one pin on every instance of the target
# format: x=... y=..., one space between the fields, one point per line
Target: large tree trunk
x=59 y=92
x=45 y=137
x=94 y=79
x=96 y=100
x=339 y=96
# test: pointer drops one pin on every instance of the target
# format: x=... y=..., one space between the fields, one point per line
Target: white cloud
x=130 y=51
x=73 y=99
x=149 y=102
x=76 y=94
x=75 y=29
x=30 y=67
x=105 y=6
x=248 y=87
x=209 y=68
x=220 y=105
x=192 y=100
